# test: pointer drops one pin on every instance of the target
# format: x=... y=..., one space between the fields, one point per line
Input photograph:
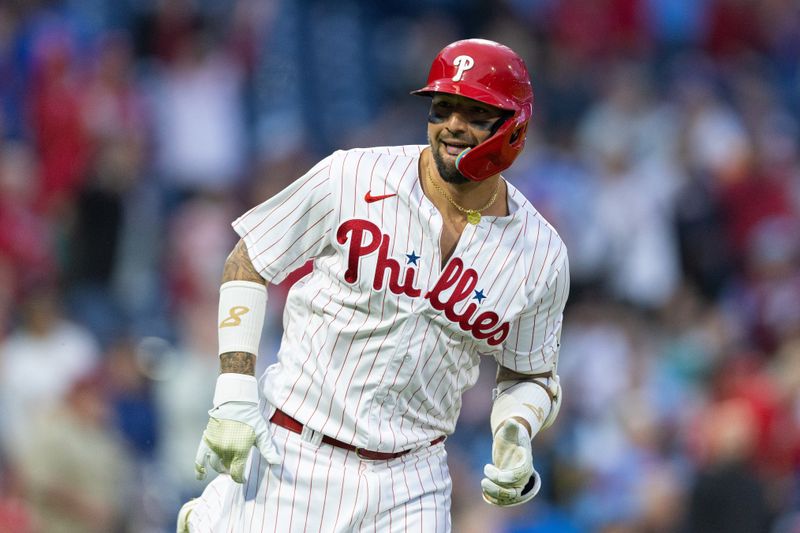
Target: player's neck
x=471 y=195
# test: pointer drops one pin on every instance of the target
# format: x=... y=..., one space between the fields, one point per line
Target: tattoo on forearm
x=239 y=267
x=237 y=362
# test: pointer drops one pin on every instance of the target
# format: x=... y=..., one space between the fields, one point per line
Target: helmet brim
x=467 y=90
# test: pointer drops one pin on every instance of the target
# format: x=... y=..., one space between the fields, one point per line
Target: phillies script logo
x=364 y=238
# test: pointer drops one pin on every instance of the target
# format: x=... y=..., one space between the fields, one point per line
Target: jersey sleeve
x=534 y=338
x=293 y=226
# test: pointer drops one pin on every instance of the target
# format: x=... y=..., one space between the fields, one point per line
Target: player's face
x=456 y=123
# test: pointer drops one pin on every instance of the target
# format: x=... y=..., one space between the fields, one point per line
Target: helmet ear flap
x=496 y=153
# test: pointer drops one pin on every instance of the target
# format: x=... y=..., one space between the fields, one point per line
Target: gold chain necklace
x=473 y=215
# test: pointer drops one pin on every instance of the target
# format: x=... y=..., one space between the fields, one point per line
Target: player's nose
x=456 y=122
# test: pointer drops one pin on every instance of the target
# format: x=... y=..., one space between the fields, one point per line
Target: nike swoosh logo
x=369 y=198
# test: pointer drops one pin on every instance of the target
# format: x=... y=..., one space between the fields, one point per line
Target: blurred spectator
x=766 y=296
x=628 y=119
x=695 y=336
x=632 y=142
x=183 y=399
x=75 y=469
x=199 y=117
x=113 y=107
x=135 y=417
x=64 y=148
x=727 y=494
x=640 y=263
x=713 y=139
x=130 y=396
x=95 y=238
x=27 y=242
x=39 y=361
x=749 y=205
x=705 y=249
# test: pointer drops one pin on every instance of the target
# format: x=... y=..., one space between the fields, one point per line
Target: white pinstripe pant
x=322 y=488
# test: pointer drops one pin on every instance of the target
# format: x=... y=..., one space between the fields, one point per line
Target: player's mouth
x=455 y=147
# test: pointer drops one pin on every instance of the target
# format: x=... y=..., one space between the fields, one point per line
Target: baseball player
x=425 y=260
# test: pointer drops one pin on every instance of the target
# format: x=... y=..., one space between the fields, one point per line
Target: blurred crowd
x=665 y=149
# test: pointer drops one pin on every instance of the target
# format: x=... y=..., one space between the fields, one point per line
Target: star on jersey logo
x=479 y=296
x=412 y=258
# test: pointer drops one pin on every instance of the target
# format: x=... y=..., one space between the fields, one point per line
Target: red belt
x=282 y=419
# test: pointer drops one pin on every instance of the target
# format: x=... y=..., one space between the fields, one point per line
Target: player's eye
x=440 y=111
x=483 y=124
x=482 y=118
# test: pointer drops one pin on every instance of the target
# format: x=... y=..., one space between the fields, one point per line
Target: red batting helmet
x=491 y=73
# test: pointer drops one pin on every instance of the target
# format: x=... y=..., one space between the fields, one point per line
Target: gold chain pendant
x=473 y=215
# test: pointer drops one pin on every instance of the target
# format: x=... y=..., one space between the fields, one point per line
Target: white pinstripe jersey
x=380 y=340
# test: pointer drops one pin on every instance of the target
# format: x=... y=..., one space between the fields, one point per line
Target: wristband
x=233 y=387
x=242 y=306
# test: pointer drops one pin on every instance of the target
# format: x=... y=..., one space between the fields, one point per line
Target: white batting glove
x=235 y=425
x=510 y=479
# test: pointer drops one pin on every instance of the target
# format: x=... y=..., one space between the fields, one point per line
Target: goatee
x=450 y=174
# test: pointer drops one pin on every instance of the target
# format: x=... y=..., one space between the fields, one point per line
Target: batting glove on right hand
x=510 y=479
x=235 y=425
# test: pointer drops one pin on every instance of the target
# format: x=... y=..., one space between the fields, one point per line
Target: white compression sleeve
x=536 y=403
x=242 y=306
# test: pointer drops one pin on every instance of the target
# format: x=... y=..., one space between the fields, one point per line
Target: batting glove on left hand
x=510 y=479
x=234 y=426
